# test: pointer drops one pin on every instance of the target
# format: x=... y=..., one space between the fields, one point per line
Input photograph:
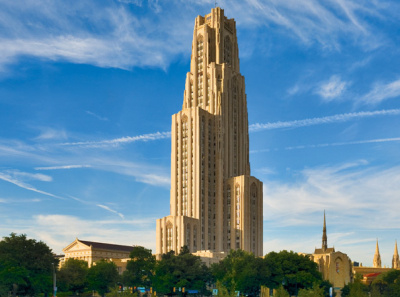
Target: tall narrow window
x=200 y=59
x=227 y=50
x=208 y=90
x=237 y=202
x=253 y=215
x=184 y=174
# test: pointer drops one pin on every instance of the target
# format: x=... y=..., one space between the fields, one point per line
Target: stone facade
x=91 y=252
x=215 y=205
x=335 y=266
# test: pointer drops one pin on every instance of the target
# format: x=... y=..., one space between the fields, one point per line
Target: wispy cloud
x=332 y=89
x=97 y=116
x=73 y=30
x=60 y=230
x=121 y=140
x=311 y=21
x=350 y=190
x=110 y=210
x=62 y=167
x=8 y=178
x=379 y=140
x=338 y=118
x=50 y=133
x=382 y=92
x=29 y=176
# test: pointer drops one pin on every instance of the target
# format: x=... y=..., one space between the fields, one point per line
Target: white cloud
x=382 y=92
x=332 y=89
x=61 y=32
x=352 y=192
x=60 y=230
x=121 y=140
x=29 y=176
x=338 y=118
x=62 y=167
x=110 y=210
x=378 y=140
x=97 y=116
x=8 y=178
x=50 y=133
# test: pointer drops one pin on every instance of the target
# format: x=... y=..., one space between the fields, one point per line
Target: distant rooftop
x=108 y=246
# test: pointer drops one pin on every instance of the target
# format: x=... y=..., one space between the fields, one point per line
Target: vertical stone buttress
x=215 y=205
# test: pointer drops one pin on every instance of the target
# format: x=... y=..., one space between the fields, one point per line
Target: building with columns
x=215 y=204
x=91 y=252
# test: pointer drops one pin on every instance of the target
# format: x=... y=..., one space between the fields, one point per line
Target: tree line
x=27 y=267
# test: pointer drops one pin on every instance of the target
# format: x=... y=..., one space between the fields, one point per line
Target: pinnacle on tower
x=377 y=257
x=395 y=260
x=324 y=236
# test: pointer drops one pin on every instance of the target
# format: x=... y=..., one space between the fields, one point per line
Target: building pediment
x=76 y=245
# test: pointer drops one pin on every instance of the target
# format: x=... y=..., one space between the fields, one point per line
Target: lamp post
x=54 y=281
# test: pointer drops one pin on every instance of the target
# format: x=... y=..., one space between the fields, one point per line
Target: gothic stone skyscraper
x=215 y=204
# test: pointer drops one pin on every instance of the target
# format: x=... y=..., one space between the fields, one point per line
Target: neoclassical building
x=215 y=204
x=91 y=251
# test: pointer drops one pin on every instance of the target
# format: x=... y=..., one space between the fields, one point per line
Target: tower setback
x=215 y=205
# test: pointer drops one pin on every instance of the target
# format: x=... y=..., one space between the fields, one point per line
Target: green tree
x=386 y=284
x=292 y=270
x=26 y=265
x=315 y=291
x=140 y=269
x=241 y=271
x=356 y=289
x=73 y=276
x=181 y=271
x=281 y=292
x=102 y=276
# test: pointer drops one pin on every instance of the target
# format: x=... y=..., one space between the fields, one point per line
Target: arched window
x=169 y=237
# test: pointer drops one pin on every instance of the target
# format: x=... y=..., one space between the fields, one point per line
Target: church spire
x=377 y=256
x=324 y=236
x=395 y=260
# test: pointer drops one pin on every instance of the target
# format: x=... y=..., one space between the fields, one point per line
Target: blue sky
x=87 y=90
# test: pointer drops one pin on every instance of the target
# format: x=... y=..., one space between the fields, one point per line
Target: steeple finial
x=395 y=260
x=377 y=256
x=324 y=236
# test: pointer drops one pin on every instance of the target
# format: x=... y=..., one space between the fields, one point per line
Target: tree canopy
x=73 y=276
x=181 y=271
x=291 y=270
x=102 y=276
x=241 y=271
x=26 y=265
x=140 y=269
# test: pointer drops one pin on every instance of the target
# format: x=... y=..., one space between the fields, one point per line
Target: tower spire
x=377 y=256
x=395 y=260
x=324 y=236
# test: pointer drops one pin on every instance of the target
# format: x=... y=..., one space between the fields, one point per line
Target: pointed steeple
x=324 y=236
x=377 y=257
x=395 y=260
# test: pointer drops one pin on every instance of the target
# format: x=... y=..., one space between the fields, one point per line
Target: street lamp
x=54 y=281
